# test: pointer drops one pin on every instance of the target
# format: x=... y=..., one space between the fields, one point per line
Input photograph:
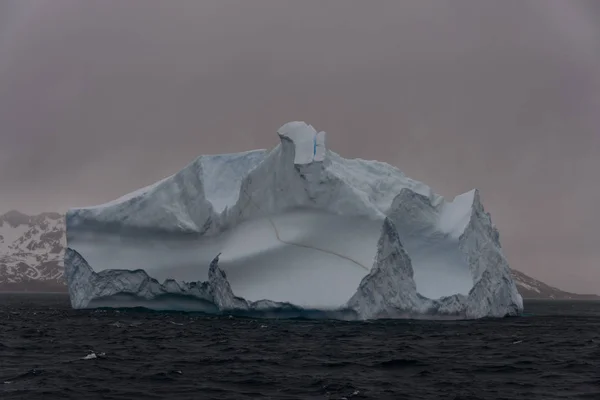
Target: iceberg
x=297 y=230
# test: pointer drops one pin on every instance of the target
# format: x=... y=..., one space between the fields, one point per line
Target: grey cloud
x=100 y=97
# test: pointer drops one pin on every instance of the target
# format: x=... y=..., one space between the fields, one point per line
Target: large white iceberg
x=297 y=230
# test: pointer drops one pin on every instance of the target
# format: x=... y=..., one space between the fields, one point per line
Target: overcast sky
x=100 y=97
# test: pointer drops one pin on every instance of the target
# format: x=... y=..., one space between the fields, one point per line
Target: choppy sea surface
x=49 y=351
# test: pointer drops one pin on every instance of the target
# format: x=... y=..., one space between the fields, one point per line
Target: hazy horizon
x=101 y=97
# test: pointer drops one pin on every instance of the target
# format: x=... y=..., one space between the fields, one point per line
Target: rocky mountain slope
x=31 y=252
x=531 y=288
x=32 y=249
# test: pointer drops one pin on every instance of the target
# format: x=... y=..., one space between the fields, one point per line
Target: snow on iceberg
x=298 y=230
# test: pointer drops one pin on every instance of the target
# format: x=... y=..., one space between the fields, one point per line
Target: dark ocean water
x=551 y=353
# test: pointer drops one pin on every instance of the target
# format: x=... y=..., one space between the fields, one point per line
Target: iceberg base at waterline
x=297 y=230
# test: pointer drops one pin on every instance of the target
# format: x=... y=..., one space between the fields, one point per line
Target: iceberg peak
x=307 y=143
x=295 y=228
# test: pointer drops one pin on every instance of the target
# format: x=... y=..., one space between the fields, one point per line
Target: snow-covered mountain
x=31 y=252
x=531 y=288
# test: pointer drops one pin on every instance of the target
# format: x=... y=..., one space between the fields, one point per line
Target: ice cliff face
x=389 y=289
x=298 y=228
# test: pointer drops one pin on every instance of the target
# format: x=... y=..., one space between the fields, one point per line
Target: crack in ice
x=278 y=237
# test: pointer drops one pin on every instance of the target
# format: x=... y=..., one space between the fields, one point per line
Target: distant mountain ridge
x=531 y=288
x=31 y=252
x=32 y=249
